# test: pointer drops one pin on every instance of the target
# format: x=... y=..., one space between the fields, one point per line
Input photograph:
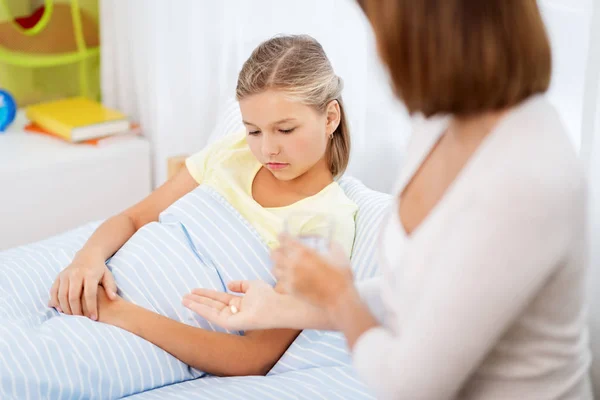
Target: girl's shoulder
x=231 y=152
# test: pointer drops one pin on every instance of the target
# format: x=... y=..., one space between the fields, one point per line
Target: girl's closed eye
x=253 y=133
x=287 y=130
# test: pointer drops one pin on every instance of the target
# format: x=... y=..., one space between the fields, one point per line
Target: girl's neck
x=312 y=181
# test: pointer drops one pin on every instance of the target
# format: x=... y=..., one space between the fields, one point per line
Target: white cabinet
x=48 y=186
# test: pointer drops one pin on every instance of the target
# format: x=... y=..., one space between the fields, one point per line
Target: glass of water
x=314 y=230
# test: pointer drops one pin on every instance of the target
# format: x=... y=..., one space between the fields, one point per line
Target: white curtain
x=172 y=65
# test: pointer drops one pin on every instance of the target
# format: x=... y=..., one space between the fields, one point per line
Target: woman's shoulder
x=535 y=142
x=536 y=124
x=531 y=158
x=426 y=131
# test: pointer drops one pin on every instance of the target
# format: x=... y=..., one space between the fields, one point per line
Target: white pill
x=234 y=309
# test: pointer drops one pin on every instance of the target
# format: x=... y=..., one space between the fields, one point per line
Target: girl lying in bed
x=296 y=142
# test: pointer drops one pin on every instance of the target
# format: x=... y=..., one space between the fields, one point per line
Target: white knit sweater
x=485 y=299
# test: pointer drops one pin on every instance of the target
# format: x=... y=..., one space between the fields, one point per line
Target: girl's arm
x=79 y=280
x=217 y=353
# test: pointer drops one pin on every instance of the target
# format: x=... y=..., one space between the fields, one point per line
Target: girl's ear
x=334 y=116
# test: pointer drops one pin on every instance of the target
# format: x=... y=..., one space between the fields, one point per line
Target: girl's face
x=287 y=137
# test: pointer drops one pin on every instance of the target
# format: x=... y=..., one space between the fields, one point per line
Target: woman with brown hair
x=483 y=257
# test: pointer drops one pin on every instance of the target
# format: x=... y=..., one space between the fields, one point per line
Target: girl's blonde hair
x=298 y=66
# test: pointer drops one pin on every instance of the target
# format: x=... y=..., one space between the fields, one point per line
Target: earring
x=331 y=136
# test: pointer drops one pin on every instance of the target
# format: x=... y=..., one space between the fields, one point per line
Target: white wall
x=591 y=156
x=569 y=23
x=594 y=288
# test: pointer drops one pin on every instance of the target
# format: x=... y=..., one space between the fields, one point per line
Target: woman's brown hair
x=298 y=66
x=462 y=56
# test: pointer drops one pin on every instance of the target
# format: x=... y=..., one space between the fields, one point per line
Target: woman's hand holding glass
x=320 y=279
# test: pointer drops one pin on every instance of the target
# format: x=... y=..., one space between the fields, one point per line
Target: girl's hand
x=109 y=310
x=77 y=286
x=320 y=280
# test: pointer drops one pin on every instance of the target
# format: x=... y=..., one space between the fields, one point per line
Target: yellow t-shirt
x=229 y=167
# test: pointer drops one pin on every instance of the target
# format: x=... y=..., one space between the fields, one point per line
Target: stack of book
x=78 y=120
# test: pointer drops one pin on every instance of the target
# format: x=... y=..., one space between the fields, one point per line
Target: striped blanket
x=200 y=241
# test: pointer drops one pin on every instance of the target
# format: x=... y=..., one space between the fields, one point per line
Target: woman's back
x=545 y=352
x=500 y=301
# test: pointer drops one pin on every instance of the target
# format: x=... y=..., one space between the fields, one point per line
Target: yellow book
x=77 y=119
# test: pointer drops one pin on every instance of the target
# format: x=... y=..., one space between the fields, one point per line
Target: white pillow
x=372 y=207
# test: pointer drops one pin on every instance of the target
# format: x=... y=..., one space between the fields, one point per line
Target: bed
x=48 y=355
